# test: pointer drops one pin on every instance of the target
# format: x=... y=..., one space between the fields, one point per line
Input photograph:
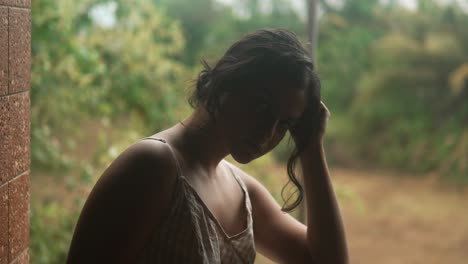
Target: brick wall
x=15 y=65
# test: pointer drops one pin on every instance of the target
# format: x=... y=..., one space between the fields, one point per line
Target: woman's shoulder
x=145 y=163
x=134 y=191
x=142 y=174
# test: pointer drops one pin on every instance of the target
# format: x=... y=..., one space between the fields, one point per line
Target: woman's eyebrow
x=263 y=94
x=265 y=97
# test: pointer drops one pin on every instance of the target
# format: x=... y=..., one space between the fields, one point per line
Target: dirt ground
x=391 y=218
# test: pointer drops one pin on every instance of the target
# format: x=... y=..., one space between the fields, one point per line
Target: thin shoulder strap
x=248 y=203
x=239 y=180
x=174 y=156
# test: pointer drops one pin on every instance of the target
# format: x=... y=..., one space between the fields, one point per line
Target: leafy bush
x=51 y=231
x=407 y=115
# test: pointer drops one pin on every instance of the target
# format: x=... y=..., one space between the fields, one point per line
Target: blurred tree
x=396 y=78
x=344 y=37
x=81 y=69
x=209 y=26
x=197 y=18
x=405 y=101
x=141 y=56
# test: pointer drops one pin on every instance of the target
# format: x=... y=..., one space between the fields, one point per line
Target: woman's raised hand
x=311 y=127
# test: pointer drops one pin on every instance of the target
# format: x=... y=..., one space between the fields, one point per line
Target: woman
x=172 y=198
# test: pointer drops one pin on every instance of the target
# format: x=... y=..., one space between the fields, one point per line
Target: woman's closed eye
x=286 y=124
x=263 y=107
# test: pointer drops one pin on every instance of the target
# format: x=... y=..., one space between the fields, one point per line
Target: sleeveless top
x=192 y=234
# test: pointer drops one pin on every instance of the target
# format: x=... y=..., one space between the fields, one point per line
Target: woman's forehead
x=288 y=101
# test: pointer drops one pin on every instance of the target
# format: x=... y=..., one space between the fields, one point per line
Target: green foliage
x=210 y=27
x=408 y=115
x=198 y=19
x=142 y=72
x=347 y=63
x=81 y=69
x=51 y=232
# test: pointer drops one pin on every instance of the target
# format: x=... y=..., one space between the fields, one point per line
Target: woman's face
x=255 y=122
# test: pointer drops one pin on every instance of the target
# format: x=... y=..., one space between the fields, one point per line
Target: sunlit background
x=394 y=75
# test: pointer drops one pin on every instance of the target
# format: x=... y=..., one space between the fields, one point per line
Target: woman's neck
x=200 y=142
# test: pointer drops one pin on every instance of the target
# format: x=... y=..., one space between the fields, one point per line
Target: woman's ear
x=223 y=98
x=217 y=106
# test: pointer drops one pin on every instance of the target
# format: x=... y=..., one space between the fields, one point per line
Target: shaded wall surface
x=15 y=68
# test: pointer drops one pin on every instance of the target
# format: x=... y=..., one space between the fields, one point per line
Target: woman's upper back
x=142 y=206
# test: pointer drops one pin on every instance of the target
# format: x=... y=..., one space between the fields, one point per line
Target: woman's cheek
x=275 y=141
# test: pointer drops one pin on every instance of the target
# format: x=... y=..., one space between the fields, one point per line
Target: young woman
x=172 y=198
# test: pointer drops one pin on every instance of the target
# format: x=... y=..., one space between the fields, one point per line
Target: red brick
x=4 y=224
x=18 y=3
x=3 y=51
x=18 y=220
x=19 y=25
x=23 y=258
x=14 y=135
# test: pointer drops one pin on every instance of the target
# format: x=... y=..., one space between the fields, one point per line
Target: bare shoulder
x=139 y=172
x=128 y=201
x=146 y=161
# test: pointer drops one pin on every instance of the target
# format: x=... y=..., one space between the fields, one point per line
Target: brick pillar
x=15 y=69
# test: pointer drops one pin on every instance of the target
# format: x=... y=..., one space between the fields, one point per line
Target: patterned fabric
x=192 y=234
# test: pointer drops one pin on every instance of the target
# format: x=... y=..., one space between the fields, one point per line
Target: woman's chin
x=242 y=159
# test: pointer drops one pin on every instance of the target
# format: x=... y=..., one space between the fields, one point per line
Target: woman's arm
x=282 y=238
x=325 y=233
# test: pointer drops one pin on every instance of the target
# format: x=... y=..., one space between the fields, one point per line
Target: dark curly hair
x=257 y=58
